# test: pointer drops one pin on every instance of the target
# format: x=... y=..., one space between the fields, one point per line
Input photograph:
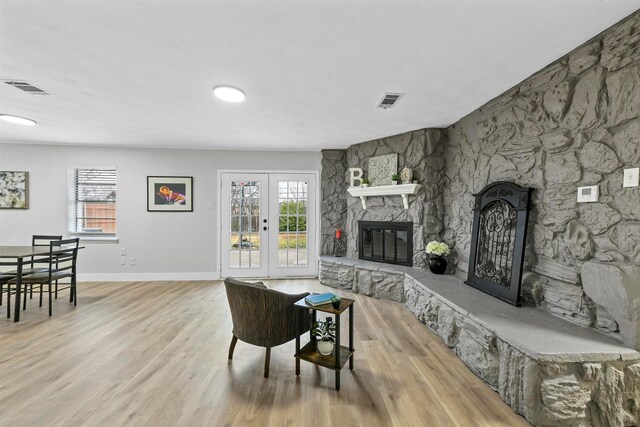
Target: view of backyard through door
x=268 y=225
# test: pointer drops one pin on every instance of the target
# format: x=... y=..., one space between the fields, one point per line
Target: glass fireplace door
x=382 y=241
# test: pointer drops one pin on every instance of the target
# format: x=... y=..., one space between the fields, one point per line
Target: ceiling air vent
x=27 y=87
x=389 y=100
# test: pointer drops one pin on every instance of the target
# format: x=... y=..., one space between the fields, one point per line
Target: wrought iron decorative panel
x=501 y=214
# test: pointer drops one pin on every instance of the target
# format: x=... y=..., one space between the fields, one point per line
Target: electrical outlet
x=588 y=194
x=123 y=251
x=132 y=261
x=123 y=260
x=631 y=177
x=211 y=205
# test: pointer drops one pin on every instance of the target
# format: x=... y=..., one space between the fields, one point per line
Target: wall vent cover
x=26 y=87
x=389 y=100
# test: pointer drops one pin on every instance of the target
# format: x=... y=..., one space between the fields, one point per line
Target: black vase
x=437 y=264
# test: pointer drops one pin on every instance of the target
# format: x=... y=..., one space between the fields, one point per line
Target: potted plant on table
x=365 y=182
x=325 y=333
x=437 y=251
x=394 y=179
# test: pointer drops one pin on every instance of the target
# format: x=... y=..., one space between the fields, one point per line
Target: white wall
x=169 y=246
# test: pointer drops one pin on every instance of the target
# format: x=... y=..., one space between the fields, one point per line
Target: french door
x=268 y=225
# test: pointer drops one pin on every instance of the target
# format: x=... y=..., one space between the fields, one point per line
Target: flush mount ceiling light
x=17 y=120
x=228 y=93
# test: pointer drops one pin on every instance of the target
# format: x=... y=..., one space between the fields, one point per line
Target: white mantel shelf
x=385 y=190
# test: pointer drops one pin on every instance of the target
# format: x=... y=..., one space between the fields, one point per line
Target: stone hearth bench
x=549 y=370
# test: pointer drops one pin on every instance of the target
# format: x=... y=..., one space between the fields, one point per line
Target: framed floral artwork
x=170 y=194
x=14 y=190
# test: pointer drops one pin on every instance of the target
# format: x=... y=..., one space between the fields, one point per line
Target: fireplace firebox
x=384 y=241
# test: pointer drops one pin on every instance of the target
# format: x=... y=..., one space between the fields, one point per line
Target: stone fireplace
x=388 y=242
x=423 y=152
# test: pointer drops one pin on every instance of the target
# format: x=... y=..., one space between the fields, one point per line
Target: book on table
x=319 y=299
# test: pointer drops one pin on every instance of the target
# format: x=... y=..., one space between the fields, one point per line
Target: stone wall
x=575 y=123
x=333 y=208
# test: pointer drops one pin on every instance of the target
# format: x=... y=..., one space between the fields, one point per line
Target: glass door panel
x=292 y=223
x=244 y=198
x=295 y=231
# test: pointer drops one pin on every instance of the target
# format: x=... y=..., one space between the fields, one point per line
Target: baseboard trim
x=146 y=277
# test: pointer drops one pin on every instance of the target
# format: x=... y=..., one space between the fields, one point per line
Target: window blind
x=92 y=201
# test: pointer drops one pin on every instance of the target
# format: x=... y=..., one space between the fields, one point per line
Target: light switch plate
x=631 y=177
x=588 y=194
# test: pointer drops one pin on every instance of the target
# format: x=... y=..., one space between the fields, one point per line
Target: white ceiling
x=140 y=73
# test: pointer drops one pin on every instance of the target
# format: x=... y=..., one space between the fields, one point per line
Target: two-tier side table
x=341 y=354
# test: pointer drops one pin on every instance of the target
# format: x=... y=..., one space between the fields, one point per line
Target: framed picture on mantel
x=14 y=190
x=381 y=168
x=170 y=194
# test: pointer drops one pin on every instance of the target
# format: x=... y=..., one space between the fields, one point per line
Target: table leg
x=16 y=306
x=351 y=336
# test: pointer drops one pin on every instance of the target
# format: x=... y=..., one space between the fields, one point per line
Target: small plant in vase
x=394 y=179
x=365 y=182
x=325 y=333
x=335 y=302
x=437 y=251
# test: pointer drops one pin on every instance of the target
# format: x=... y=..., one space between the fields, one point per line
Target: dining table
x=16 y=256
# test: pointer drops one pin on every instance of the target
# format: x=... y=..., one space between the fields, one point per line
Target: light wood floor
x=155 y=354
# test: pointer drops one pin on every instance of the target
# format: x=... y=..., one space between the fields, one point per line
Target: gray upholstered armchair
x=263 y=317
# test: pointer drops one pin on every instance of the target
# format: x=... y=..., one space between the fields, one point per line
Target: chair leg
x=50 y=303
x=40 y=287
x=24 y=298
x=1 y=292
x=267 y=359
x=234 y=340
x=8 y=302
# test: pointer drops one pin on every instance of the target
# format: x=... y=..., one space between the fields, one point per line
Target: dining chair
x=61 y=265
x=40 y=240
